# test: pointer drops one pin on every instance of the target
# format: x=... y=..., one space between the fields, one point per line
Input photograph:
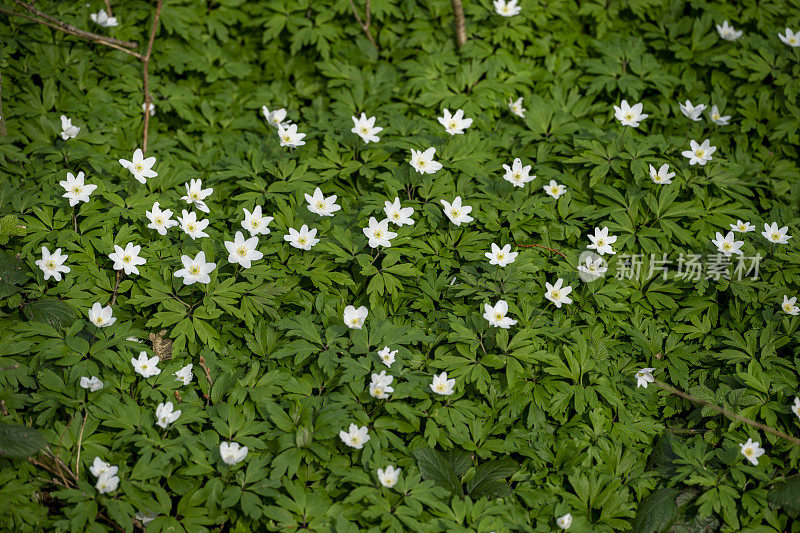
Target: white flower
x=692 y=112
x=146 y=367
x=145 y=518
x=93 y=384
x=140 y=167
x=68 y=131
x=558 y=294
x=355 y=437
x=564 y=522
x=517 y=174
x=744 y=227
x=442 y=385
x=796 y=407
x=277 y=118
x=303 y=239
x=398 y=214
x=76 y=190
x=751 y=451
x=662 y=176
x=160 y=220
x=232 y=452
x=152 y=108
x=255 y=223
x=727 y=31
x=506 y=8
x=127 y=259
x=515 y=106
x=106 y=483
x=789 y=306
x=790 y=39
x=195 y=270
x=716 y=118
x=727 y=245
x=241 y=251
x=554 y=189
x=454 y=124
x=457 y=213
x=592 y=268
x=378 y=233
x=602 y=241
x=365 y=128
x=289 y=136
x=497 y=315
x=101 y=316
x=319 y=205
x=52 y=265
x=387 y=355
x=195 y=194
x=354 y=318
x=644 y=376
x=501 y=256
x=184 y=375
x=388 y=477
x=423 y=161
x=380 y=386
x=191 y=226
x=699 y=153
x=101 y=18
x=629 y=116
x=100 y=467
x=165 y=415
x=776 y=235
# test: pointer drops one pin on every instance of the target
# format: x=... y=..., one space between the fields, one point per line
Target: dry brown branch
x=69 y=28
x=2 y=117
x=108 y=9
x=208 y=377
x=365 y=25
x=146 y=68
x=80 y=442
x=116 y=288
x=461 y=26
x=540 y=246
x=729 y=414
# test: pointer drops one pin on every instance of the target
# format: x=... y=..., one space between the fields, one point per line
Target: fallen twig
x=54 y=23
x=461 y=26
x=365 y=25
x=540 y=246
x=729 y=414
x=146 y=66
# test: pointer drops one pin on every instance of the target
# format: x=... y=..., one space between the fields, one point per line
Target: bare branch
x=2 y=117
x=69 y=28
x=461 y=26
x=729 y=414
x=108 y=9
x=364 y=26
x=146 y=75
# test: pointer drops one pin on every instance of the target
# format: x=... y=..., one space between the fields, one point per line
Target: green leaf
x=656 y=512
x=20 y=442
x=786 y=496
x=54 y=312
x=490 y=477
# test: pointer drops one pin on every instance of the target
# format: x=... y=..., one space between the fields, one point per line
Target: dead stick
x=364 y=26
x=461 y=26
x=540 y=246
x=65 y=30
x=729 y=414
x=76 y=31
x=108 y=9
x=116 y=288
x=146 y=69
x=80 y=441
x=2 y=117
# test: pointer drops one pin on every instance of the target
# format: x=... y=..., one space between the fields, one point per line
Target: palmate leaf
x=656 y=512
x=19 y=442
x=443 y=468
x=490 y=477
x=50 y=311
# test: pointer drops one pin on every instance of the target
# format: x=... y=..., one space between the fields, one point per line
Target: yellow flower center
x=190 y=227
x=51 y=264
x=302 y=240
x=76 y=189
x=139 y=167
x=628 y=116
x=776 y=237
x=726 y=246
x=453 y=125
x=286 y=138
x=378 y=391
x=378 y=234
x=159 y=221
x=440 y=387
x=456 y=213
x=396 y=215
x=354 y=321
x=195 y=270
x=701 y=153
x=364 y=130
x=501 y=256
x=498 y=316
x=601 y=242
x=242 y=251
x=556 y=295
x=194 y=196
x=126 y=259
x=748 y=451
x=320 y=205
